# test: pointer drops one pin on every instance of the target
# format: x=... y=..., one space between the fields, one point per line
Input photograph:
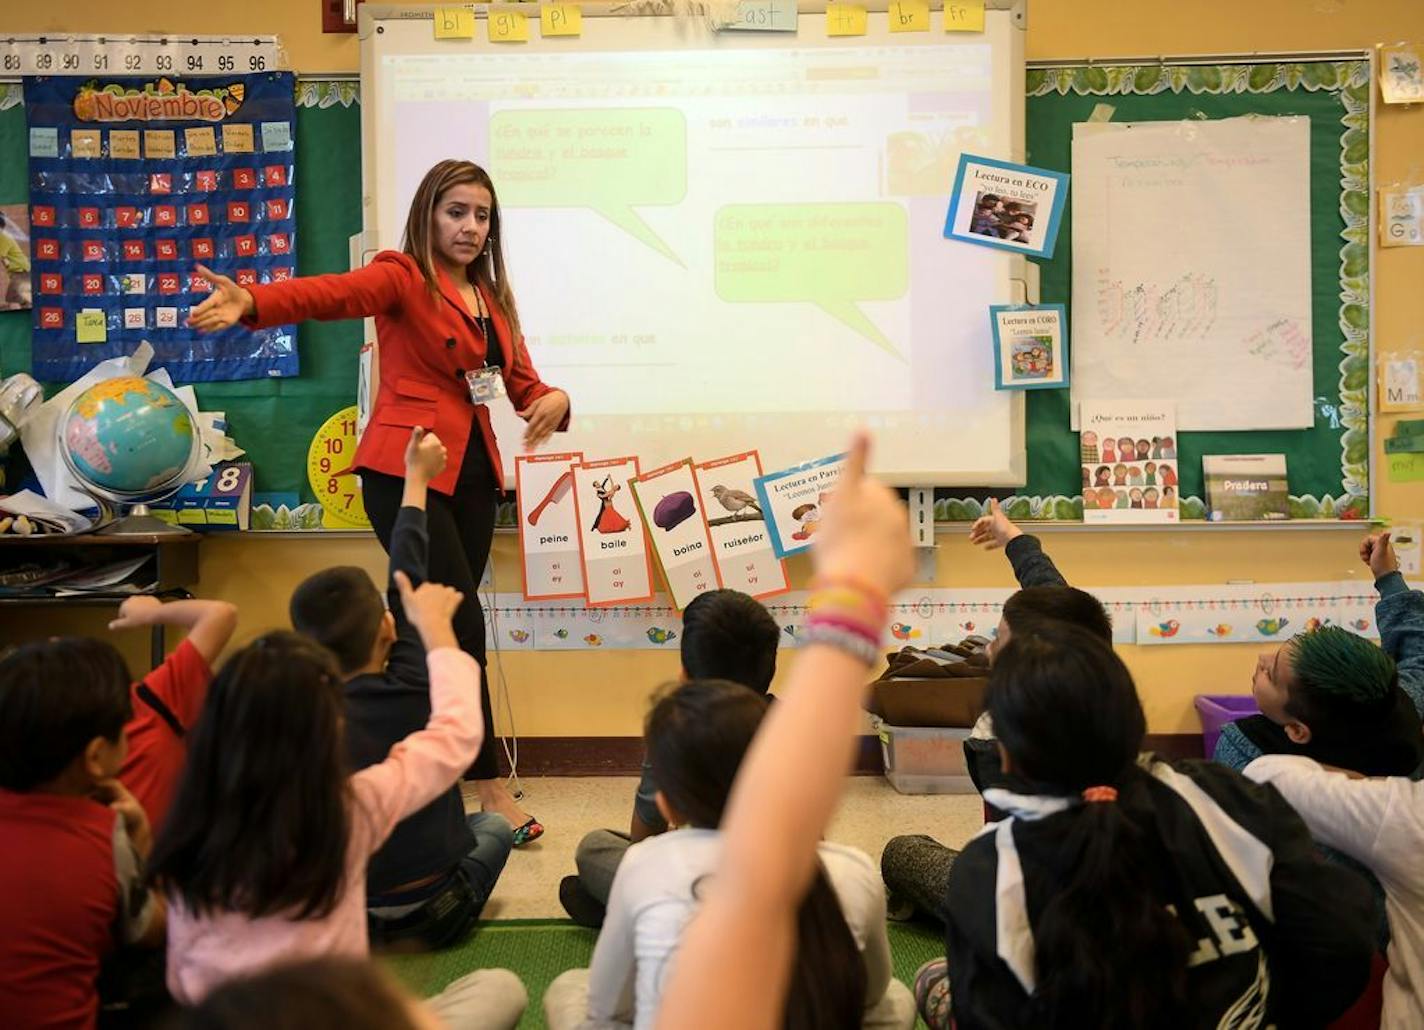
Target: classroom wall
x=558 y=694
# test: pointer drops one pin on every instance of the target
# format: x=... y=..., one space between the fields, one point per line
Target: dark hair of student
x=728 y=635
x=696 y=735
x=259 y=824
x=1341 y=679
x=341 y=610
x=324 y=992
x=55 y=697
x=1066 y=604
x=1108 y=952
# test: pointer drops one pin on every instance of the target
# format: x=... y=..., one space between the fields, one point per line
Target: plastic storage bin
x=925 y=760
x=1216 y=710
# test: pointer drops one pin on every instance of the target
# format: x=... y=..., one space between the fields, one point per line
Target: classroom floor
x=870 y=814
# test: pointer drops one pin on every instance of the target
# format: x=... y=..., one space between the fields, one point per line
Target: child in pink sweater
x=263 y=858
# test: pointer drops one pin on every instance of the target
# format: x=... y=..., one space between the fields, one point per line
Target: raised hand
x=137 y=611
x=865 y=530
x=993 y=530
x=430 y=609
x=425 y=454
x=1378 y=553
x=227 y=305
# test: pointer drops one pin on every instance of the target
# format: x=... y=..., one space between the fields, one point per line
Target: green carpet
x=540 y=949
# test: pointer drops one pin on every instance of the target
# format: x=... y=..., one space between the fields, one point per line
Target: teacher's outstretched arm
x=372 y=290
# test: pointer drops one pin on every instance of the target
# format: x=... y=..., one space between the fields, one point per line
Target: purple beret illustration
x=673 y=510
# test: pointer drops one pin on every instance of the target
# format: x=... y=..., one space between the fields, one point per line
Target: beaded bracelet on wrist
x=844 y=640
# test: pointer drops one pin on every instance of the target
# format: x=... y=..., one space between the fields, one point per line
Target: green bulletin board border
x=1343 y=418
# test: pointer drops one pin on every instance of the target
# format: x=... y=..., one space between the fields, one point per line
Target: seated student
x=735 y=963
x=71 y=879
x=1336 y=697
x=429 y=882
x=726 y=635
x=1380 y=824
x=263 y=857
x=353 y=995
x=1131 y=891
x=916 y=867
x=167 y=701
x=696 y=737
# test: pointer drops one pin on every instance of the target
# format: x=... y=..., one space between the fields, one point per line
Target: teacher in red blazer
x=443 y=308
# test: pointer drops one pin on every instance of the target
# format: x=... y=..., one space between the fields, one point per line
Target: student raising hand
x=734 y=966
x=994 y=530
x=865 y=533
x=430 y=607
x=425 y=455
x=1378 y=553
x=228 y=304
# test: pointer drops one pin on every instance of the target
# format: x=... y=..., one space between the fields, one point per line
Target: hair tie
x=1091 y=794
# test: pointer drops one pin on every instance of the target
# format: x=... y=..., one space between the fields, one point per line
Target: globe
x=128 y=439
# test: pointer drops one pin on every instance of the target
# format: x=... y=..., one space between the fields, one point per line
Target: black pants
x=461 y=529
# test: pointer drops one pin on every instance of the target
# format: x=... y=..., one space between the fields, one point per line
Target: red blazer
x=427 y=345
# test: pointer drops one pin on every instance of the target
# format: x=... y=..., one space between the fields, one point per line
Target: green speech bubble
x=830 y=255
x=608 y=160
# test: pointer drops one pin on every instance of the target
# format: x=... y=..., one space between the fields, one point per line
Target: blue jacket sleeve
x=1233 y=750
x=410 y=553
x=1400 y=616
x=1032 y=568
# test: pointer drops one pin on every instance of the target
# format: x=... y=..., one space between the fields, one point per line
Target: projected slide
x=717 y=250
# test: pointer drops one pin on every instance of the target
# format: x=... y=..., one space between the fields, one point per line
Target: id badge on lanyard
x=486 y=384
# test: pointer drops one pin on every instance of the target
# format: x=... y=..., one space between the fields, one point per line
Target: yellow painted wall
x=605 y=694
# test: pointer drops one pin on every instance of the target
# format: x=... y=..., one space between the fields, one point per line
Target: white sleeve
x=613 y=971
x=878 y=966
x=137 y=906
x=1346 y=814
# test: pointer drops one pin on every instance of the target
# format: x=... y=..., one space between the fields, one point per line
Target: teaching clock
x=329 y=471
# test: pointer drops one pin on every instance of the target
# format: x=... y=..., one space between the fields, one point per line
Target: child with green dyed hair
x=1336 y=697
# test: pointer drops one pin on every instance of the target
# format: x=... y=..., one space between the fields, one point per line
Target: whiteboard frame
x=1015 y=275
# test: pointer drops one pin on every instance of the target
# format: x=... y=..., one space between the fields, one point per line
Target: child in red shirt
x=71 y=880
x=167 y=701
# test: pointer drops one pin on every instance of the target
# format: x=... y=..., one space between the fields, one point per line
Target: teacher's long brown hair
x=489 y=265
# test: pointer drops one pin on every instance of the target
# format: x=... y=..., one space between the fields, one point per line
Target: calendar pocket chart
x=134 y=181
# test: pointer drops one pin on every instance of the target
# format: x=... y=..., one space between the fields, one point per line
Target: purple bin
x=1216 y=710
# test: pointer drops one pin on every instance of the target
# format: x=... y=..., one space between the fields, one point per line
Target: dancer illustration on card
x=608 y=520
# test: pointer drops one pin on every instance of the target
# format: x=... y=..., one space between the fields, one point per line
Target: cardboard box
x=929 y=702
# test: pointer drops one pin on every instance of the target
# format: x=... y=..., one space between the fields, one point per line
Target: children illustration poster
x=677 y=525
x=746 y=560
x=1029 y=350
x=548 y=526
x=792 y=499
x=133 y=181
x=1010 y=206
x=613 y=545
x=1129 y=459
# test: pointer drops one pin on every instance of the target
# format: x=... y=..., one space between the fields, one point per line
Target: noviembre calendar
x=135 y=181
